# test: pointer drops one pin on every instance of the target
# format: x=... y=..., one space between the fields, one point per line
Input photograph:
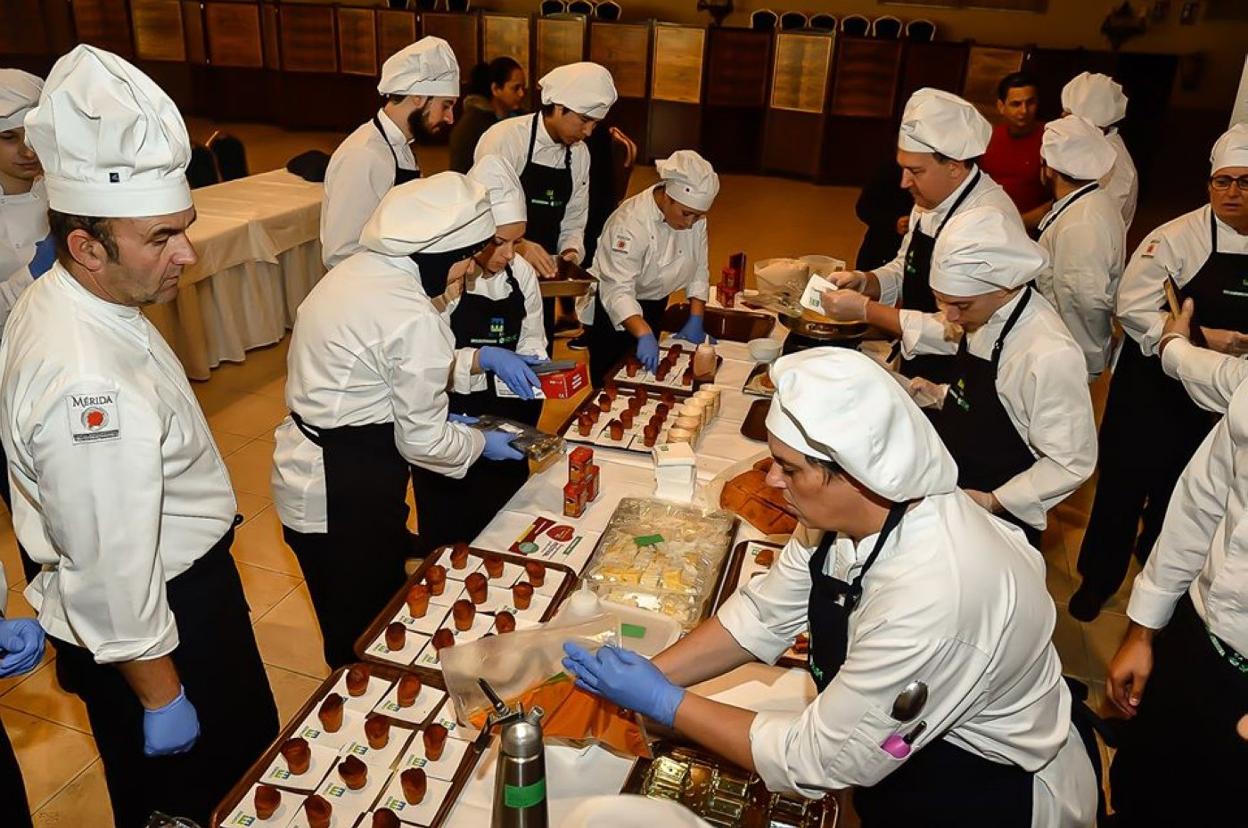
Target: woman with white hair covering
x=910 y=581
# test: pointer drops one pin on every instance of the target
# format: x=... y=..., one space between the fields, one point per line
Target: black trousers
x=223 y=676
x=14 y=810
x=1180 y=761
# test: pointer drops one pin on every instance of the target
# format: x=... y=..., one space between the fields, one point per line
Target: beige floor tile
x=250 y=505
x=50 y=754
x=263 y=589
x=258 y=542
x=250 y=468
x=42 y=695
x=83 y=803
x=1071 y=648
x=291 y=690
x=289 y=637
x=213 y=395
x=274 y=389
x=228 y=442
x=9 y=556
x=250 y=415
x=19 y=607
x=1102 y=637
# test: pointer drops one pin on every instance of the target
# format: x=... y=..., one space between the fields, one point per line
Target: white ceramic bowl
x=764 y=350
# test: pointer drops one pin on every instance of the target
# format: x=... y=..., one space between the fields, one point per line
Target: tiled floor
x=243 y=403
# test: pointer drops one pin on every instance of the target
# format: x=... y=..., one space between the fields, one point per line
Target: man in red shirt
x=1013 y=154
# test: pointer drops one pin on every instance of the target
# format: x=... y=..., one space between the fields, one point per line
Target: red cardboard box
x=559 y=385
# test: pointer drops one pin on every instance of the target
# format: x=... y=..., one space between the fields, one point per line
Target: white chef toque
x=982 y=250
x=585 y=88
x=506 y=193
x=689 y=178
x=938 y=121
x=19 y=92
x=1231 y=150
x=1077 y=148
x=1096 y=97
x=438 y=214
x=427 y=68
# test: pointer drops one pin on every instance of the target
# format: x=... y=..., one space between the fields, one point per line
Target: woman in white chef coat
x=652 y=246
x=1099 y=99
x=910 y=582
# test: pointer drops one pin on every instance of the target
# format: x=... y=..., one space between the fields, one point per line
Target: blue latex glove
x=45 y=257
x=648 y=352
x=498 y=446
x=694 y=332
x=626 y=678
x=511 y=368
x=22 y=642
x=462 y=419
x=173 y=728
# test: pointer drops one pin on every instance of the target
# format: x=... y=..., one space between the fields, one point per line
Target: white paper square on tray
x=428 y=623
x=244 y=815
x=378 y=757
x=353 y=802
x=337 y=819
x=323 y=759
x=422 y=814
x=427 y=700
x=411 y=648
x=312 y=731
x=470 y=566
x=537 y=605
x=376 y=689
x=452 y=754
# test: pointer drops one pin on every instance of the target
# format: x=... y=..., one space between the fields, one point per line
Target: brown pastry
x=749 y=496
x=297 y=754
x=626 y=418
x=642 y=396
x=617 y=429
x=801 y=645
x=686 y=379
x=668 y=398
x=594 y=413
x=604 y=403
x=765 y=382
x=522 y=595
x=385 y=818
x=357 y=680
x=765 y=557
x=631 y=366
x=330 y=713
x=415 y=785
x=676 y=350
x=418 y=600
x=354 y=773
x=408 y=690
x=318 y=810
x=611 y=391
x=662 y=371
x=442 y=639
x=584 y=425
x=396 y=636
x=435 y=742
x=435 y=577
x=536 y=571
x=459 y=555
x=464 y=612
x=505 y=622
x=268 y=800
x=650 y=436
x=634 y=405
x=657 y=421
x=377 y=731
x=494 y=566
x=478 y=587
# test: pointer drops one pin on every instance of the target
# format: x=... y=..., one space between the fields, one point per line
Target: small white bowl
x=764 y=349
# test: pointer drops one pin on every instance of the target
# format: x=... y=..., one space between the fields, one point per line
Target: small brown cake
x=604 y=402
x=656 y=422
x=464 y=612
x=650 y=436
x=459 y=556
x=297 y=754
x=634 y=405
x=522 y=595
x=642 y=396
x=478 y=587
x=318 y=810
x=493 y=566
x=330 y=713
x=377 y=731
x=584 y=425
x=765 y=557
x=443 y=638
x=357 y=680
x=435 y=742
x=631 y=366
x=409 y=689
x=504 y=622
x=668 y=398
x=626 y=418
x=662 y=371
x=435 y=577
x=617 y=429
x=686 y=379
x=268 y=800
x=801 y=645
x=415 y=785
x=418 y=600
x=536 y=572
x=676 y=350
x=354 y=772
x=611 y=391
x=385 y=818
x=396 y=636
x=663 y=410
x=594 y=413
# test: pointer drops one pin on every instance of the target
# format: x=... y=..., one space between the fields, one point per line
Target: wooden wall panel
x=560 y=41
x=307 y=39
x=104 y=23
x=985 y=67
x=357 y=42
x=233 y=31
x=505 y=35
x=938 y=65
x=624 y=49
x=738 y=67
x=23 y=31
x=395 y=30
x=157 y=28
x=270 y=26
x=800 y=77
x=459 y=30
x=865 y=85
x=193 y=32
x=676 y=63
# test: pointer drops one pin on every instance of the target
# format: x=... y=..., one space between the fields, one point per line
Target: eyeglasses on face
x=1224 y=182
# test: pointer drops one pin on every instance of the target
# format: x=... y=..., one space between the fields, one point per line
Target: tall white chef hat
x=1231 y=150
x=839 y=405
x=689 y=178
x=1076 y=147
x=426 y=67
x=112 y=143
x=585 y=88
x=438 y=214
x=982 y=250
x=19 y=92
x=506 y=194
x=1096 y=97
x=939 y=121
x=631 y=811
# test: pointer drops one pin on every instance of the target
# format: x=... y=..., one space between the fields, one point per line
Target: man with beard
x=420 y=85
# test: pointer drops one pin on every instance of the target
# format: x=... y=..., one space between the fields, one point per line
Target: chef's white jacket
x=509 y=138
x=368 y=347
x=117 y=484
x=986 y=193
x=641 y=256
x=360 y=173
x=1122 y=183
x=1085 y=243
x=1203 y=546
x=956 y=599
x=1210 y=377
x=1179 y=249
x=1041 y=380
x=23 y=223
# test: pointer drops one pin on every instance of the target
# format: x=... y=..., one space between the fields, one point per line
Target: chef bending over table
x=910 y=582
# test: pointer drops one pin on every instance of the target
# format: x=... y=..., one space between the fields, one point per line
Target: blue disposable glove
x=462 y=419
x=512 y=369
x=648 y=351
x=498 y=446
x=694 y=332
x=45 y=257
x=22 y=642
x=173 y=728
x=626 y=678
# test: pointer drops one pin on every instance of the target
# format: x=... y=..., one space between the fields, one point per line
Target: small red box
x=591 y=484
x=574 y=497
x=559 y=385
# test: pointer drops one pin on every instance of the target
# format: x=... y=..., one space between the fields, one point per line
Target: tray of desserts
x=460 y=594
x=638 y=419
x=674 y=372
x=759 y=381
x=371 y=739
x=722 y=793
x=570 y=280
x=753 y=559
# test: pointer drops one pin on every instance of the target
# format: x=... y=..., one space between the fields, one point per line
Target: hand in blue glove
x=498 y=446
x=648 y=351
x=694 y=332
x=511 y=368
x=462 y=419
x=45 y=257
x=173 y=728
x=626 y=678
x=22 y=642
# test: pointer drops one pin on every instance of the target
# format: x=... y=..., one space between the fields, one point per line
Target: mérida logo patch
x=93 y=417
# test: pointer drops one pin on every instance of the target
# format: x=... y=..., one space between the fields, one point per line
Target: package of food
x=762 y=506
x=540 y=447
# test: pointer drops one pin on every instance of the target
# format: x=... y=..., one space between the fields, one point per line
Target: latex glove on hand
x=462 y=419
x=648 y=351
x=927 y=394
x=693 y=331
x=498 y=446
x=171 y=729
x=45 y=257
x=21 y=639
x=844 y=305
x=536 y=255
x=849 y=280
x=511 y=368
x=626 y=678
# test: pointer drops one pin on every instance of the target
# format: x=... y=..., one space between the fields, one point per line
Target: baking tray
x=633 y=439
x=729 y=324
x=754 y=426
x=672 y=382
x=572 y=280
x=753 y=385
x=447 y=777
x=371 y=648
x=740 y=568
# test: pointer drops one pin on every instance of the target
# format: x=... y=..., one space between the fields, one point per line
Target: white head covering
x=426 y=67
x=438 y=214
x=689 y=178
x=938 y=121
x=1076 y=147
x=19 y=92
x=112 y=143
x=506 y=194
x=1096 y=97
x=982 y=250
x=1231 y=150
x=632 y=811
x=585 y=88
x=840 y=405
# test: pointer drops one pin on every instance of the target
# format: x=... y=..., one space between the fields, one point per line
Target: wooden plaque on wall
x=307 y=37
x=459 y=30
x=799 y=81
x=23 y=30
x=193 y=30
x=357 y=42
x=233 y=31
x=157 y=28
x=395 y=30
x=504 y=35
x=269 y=27
x=738 y=65
x=624 y=49
x=560 y=40
x=103 y=23
x=676 y=63
x=866 y=78
x=985 y=67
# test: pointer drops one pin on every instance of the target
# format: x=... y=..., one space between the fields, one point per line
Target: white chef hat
x=839 y=405
x=427 y=67
x=939 y=121
x=1096 y=97
x=1231 y=150
x=631 y=811
x=689 y=178
x=19 y=92
x=981 y=250
x=585 y=88
x=1076 y=147
x=506 y=194
x=111 y=141
x=438 y=214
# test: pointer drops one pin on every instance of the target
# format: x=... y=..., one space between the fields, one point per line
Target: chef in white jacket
x=419 y=84
x=910 y=582
x=652 y=246
x=367 y=373
x=23 y=198
x=119 y=491
x=1099 y=99
x=1084 y=236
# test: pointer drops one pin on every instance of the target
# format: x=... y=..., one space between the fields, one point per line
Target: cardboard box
x=559 y=385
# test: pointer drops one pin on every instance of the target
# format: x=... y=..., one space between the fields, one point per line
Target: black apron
x=547 y=191
x=939 y=784
x=401 y=175
x=1053 y=216
x=607 y=346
